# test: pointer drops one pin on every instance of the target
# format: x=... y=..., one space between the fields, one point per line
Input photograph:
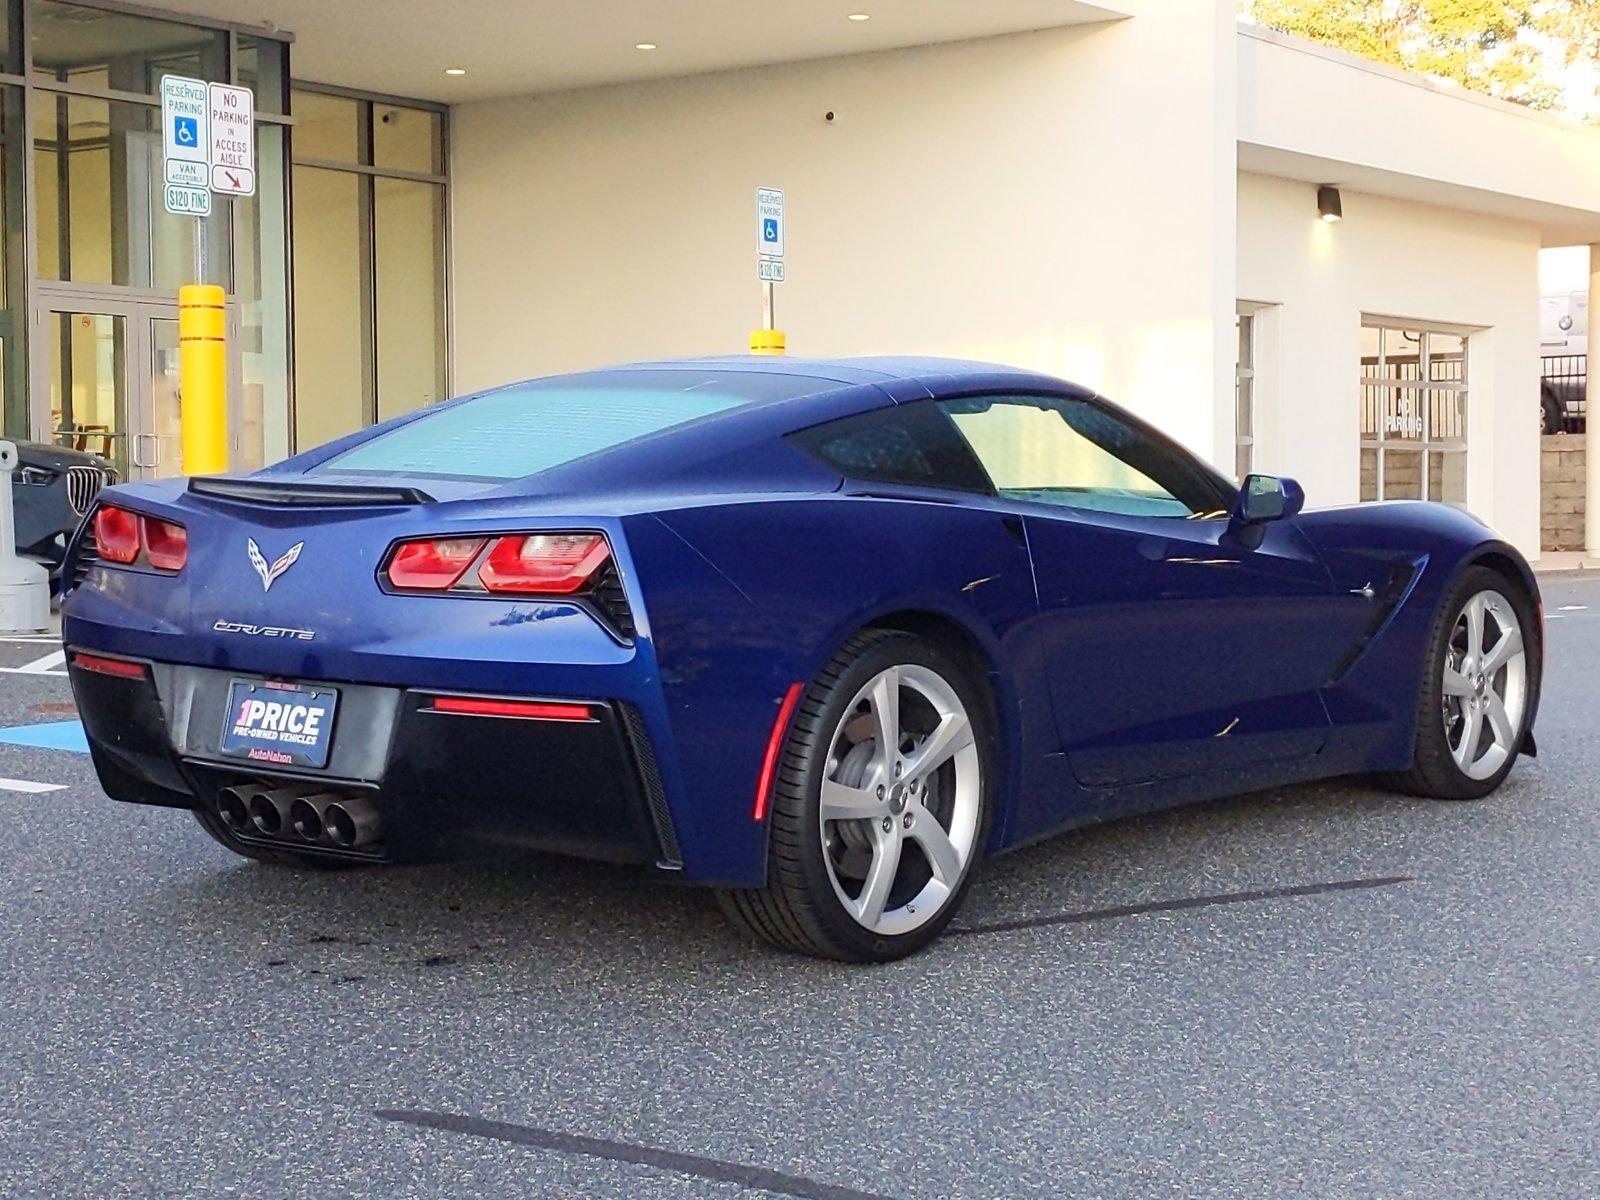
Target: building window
x=369 y=260
x=1244 y=396
x=92 y=259
x=1414 y=387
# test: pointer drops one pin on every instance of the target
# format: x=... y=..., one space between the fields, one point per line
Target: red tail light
x=121 y=536
x=517 y=564
x=432 y=565
x=116 y=534
x=535 y=710
x=543 y=564
x=165 y=543
x=101 y=665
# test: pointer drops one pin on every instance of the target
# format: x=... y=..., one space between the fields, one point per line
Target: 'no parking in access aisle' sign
x=208 y=143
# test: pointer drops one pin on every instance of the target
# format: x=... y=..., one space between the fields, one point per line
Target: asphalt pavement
x=1324 y=991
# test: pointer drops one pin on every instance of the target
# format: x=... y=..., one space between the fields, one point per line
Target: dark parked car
x=1561 y=404
x=52 y=488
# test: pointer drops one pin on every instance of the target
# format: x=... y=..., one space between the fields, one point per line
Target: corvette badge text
x=272 y=631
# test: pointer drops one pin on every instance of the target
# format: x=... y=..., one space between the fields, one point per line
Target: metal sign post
x=208 y=144
x=770 y=270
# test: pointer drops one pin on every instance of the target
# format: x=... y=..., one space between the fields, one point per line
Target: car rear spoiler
x=289 y=493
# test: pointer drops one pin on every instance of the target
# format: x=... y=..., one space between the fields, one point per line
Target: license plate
x=281 y=724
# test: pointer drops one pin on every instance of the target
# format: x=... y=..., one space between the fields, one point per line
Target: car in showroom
x=818 y=634
x=51 y=490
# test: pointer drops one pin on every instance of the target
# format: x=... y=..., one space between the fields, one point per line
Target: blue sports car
x=819 y=634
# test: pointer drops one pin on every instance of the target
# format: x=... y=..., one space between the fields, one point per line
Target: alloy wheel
x=900 y=800
x=1485 y=694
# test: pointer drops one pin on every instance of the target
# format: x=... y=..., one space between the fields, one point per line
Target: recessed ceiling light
x=644 y=45
x=859 y=17
x=455 y=70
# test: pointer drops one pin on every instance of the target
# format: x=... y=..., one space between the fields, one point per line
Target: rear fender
x=814 y=572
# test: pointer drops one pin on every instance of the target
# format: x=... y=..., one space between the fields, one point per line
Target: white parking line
x=40 y=666
x=30 y=787
x=1574 y=607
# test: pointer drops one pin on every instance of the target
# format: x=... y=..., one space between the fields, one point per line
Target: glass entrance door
x=85 y=357
x=108 y=380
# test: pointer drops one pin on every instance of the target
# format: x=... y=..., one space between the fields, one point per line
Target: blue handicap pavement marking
x=186 y=131
x=48 y=735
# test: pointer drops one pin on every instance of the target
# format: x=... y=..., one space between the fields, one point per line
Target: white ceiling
x=513 y=47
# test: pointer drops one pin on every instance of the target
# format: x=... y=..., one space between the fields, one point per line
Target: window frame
x=367 y=175
x=1224 y=490
x=1244 y=390
x=1382 y=380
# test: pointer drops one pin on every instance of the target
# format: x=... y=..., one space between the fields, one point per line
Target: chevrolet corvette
x=821 y=635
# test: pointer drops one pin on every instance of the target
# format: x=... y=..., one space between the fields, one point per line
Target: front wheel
x=1479 y=690
x=881 y=805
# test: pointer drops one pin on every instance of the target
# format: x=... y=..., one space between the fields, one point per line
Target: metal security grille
x=83 y=485
x=1414 y=387
x=1568 y=377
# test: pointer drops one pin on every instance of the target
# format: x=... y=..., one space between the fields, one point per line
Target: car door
x=1176 y=643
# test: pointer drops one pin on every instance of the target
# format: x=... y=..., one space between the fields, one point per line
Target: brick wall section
x=1561 y=485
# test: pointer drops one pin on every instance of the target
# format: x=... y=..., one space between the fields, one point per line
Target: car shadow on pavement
x=539 y=917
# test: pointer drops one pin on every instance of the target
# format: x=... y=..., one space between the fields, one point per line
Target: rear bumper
x=443 y=783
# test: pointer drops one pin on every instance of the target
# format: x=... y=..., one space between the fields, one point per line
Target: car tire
x=213 y=825
x=1445 y=766
x=942 y=772
x=1551 y=414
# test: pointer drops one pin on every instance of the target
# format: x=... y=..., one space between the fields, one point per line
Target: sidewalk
x=1552 y=561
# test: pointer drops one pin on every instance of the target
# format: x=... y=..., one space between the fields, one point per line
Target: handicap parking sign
x=769 y=222
x=186 y=131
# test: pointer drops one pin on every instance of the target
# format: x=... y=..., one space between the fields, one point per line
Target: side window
x=1052 y=450
x=912 y=444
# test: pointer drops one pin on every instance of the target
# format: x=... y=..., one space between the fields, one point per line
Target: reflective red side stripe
x=119 y=667
x=769 y=764
x=472 y=706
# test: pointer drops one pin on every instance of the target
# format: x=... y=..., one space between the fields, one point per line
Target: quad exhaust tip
x=306 y=815
x=351 y=822
x=269 y=811
x=299 y=815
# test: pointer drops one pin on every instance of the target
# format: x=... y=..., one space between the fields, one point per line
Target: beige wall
x=1396 y=259
x=1060 y=200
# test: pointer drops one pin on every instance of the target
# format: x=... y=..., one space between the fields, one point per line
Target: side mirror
x=1267 y=498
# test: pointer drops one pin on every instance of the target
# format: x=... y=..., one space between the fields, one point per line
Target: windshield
x=530 y=427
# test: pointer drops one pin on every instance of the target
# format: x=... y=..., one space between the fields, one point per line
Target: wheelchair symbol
x=186 y=131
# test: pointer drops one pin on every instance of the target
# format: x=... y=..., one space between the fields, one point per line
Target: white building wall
x=1060 y=200
x=1392 y=258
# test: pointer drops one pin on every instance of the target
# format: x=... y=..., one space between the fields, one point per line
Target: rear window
x=530 y=427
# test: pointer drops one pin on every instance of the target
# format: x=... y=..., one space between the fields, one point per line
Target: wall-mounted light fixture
x=1329 y=207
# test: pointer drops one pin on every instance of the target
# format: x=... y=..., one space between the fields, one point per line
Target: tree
x=1500 y=48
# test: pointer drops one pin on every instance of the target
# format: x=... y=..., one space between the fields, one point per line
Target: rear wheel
x=213 y=825
x=1479 y=689
x=880 y=808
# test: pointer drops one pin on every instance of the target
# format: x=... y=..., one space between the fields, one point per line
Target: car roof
x=851 y=372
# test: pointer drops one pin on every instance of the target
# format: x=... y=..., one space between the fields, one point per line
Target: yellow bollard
x=767 y=341
x=203 y=378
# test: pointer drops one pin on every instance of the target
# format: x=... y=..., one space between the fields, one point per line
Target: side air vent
x=655 y=796
x=612 y=602
x=85 y=553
